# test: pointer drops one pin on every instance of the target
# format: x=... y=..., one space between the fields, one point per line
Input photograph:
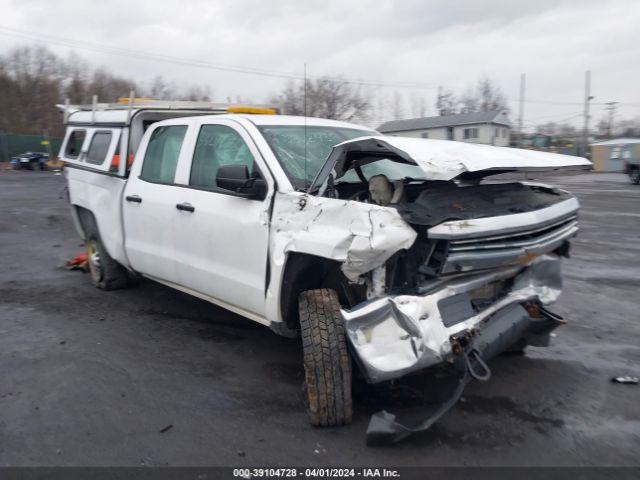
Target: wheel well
x=86 y=220
x=307 y=272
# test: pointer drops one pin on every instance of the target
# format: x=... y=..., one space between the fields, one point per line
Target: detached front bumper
x=395 y=335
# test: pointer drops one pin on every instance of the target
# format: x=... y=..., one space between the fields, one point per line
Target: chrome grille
x=508 y=249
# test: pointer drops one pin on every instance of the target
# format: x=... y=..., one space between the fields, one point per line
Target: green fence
x=12 y=144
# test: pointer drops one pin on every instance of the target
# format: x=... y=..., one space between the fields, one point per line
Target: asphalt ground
x=151 y=376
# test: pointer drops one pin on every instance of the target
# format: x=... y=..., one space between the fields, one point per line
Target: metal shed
x=611 y=155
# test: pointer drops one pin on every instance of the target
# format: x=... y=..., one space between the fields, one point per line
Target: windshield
x=288 y=145
x=391 y=169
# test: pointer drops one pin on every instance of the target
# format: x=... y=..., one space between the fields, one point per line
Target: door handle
x=133 y=198
x=185 y=207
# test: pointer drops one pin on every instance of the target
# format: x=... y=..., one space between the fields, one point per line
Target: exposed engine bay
x=425 y=204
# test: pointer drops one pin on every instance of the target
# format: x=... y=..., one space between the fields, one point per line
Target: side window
x=74 y=143
x=161 y=157
x=218 y=145
x=99 y=147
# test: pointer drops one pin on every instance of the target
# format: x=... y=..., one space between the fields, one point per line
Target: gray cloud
x=436 y=42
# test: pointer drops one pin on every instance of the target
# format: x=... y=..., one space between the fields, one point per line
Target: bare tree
x=629 y=127
x=108 y=87
x=398 y=106
x=485 y=96
x=33 y=80
x=325 y=98
x=77 y=72
x=602 y=127
x=549 y=128
x=557 y=129
x=446 y=102
x=160 y=89
x=197 y=93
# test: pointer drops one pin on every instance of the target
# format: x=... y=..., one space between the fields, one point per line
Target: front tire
x=327 y=364
x=106 y=273
x=635 y=176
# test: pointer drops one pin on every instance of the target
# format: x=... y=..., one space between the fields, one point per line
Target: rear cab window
x=162 y=154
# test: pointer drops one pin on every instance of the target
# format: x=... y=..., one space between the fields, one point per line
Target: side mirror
x=236 y=178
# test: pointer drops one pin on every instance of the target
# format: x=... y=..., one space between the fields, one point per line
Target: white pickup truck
x=395 y=252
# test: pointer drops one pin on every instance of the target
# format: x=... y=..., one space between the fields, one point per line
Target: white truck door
x=149 y=206
x=222 y=238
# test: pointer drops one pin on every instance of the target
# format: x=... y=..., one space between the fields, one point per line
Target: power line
x=140 y=55
x=550 y=117
x=611 y=107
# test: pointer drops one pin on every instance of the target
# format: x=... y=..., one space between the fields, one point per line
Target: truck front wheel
x=635 y=176
x=327 y=364
x=106 y=273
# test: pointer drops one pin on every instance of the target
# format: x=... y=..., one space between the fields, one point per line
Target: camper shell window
x=99 y=147
x=74 y=143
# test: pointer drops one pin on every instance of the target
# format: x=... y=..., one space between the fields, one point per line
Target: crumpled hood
x=444 y=159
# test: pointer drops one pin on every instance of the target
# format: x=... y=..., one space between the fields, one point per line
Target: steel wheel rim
x=93 y=259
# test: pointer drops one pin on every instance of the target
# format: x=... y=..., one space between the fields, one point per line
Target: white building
x=491 y=128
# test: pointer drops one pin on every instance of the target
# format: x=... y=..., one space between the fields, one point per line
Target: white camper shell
x=97 y=132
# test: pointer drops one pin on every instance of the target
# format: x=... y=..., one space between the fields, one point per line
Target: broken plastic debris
x=626 y=380
x=384 y=429
x=79 y=262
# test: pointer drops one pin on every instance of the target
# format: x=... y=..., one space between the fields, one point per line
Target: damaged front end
x=431 y=265
x=485 y=260
x=396 y=335
x=479 y=283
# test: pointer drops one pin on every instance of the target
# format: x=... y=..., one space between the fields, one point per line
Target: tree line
x=484 y=96
x=34 y=79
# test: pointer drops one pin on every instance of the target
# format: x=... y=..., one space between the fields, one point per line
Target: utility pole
x=521 y=114
x=611 y=107
x=587 y=99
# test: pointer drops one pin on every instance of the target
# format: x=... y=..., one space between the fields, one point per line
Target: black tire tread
x=114 y=276
x=327 y=362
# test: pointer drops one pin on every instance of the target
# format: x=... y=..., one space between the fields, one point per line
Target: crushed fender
x=361 y=236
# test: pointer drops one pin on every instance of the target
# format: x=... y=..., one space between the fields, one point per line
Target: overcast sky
x=423 y=43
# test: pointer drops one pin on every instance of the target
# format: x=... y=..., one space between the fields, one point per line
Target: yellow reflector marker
x=255 y=110
x=137 y=99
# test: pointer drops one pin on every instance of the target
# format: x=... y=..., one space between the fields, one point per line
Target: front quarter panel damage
x=359 y=235
x=395 y=335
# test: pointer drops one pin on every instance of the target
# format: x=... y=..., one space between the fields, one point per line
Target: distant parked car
x=632 y=169
x=30 y=160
